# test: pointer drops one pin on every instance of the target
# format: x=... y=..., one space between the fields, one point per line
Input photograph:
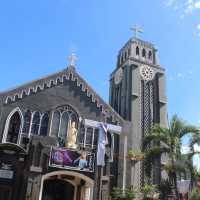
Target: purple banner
x=70 y=159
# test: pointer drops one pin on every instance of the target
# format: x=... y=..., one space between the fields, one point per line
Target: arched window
x=150 y=55
x=35 y=123
x=137 y=51
x=44 y=125
x=55 y=123
x=60 y=123
x=64 y=125
x=27 y=121
x=144 y=53
x=14 y=128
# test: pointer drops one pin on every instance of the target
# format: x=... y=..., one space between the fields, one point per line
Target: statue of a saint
x=72 y=135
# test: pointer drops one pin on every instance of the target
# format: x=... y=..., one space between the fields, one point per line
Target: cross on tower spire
x=72 y=59
x=136 y=29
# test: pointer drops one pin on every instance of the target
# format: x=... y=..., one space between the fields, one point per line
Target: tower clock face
x=147 y=73
x=118 y=76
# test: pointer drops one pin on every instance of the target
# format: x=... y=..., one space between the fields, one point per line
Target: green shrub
x=147 y=190
x=119 y=194
x=195 y=195
x=165 y=188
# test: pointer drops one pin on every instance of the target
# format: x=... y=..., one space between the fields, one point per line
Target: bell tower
x=137 y=93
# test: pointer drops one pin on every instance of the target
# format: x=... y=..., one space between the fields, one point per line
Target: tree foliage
x=195 y=195
x=168 y=141
x=120 y=194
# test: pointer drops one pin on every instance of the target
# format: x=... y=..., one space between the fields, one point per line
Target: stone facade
x=137 y=93
x=27 y=124
x=35 y=117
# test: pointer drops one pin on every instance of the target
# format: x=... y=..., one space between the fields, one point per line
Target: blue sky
x=37 y=36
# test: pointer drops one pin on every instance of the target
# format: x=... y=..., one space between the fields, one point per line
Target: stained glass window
x=27 y=122
x=44 y=125
x=35 y=123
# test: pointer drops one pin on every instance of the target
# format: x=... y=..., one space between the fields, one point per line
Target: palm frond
x=175 y=125
x=156 y=128
x=155 y=151
x=173 y=167
x=189 y=129
x=155 y=137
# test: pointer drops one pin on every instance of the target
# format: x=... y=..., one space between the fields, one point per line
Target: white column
x=124 y=162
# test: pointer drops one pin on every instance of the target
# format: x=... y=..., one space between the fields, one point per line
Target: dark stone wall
x=49 y=99
x=66 y=93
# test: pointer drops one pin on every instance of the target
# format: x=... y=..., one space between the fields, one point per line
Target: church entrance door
x=56 y=189
x=66 y=185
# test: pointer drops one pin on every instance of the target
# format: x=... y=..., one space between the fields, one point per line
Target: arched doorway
x=66 y=185
x=57 y=189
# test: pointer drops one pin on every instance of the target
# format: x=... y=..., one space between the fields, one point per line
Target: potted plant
x=120 y=194
x=148 y=191
x=135 y=156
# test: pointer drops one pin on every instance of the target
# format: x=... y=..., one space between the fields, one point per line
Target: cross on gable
x=136 y=31
x=72 y=59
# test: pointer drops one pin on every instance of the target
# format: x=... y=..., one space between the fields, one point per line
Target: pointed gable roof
x=53 y=80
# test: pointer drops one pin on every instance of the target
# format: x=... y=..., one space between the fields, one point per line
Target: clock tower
x=137 y=93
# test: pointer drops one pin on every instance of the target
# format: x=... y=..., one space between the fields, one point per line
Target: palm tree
x=167 y=140
x=195 y=140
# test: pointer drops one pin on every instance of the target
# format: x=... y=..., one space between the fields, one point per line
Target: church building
x=60 y=140
x=138 y=94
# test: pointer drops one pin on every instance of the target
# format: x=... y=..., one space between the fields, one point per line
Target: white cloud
x=170 y=2
x=191 y=6
x=184 y=6
x=190 y=1
x=197 y=5
x=180 y=75
x=198 y=30
x=190 y=72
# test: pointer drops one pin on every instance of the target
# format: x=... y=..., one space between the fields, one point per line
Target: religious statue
x=72 y=135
